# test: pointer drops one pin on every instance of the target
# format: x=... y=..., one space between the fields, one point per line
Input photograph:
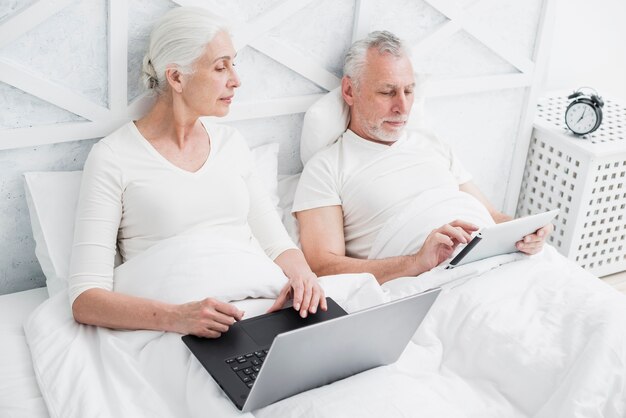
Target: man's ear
x=173 y=77
x=347 y=90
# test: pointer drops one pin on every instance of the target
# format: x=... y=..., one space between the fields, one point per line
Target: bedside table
x=585 y=177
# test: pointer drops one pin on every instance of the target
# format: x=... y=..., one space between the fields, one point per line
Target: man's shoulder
x=327 y=157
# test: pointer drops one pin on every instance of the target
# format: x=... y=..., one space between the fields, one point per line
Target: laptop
x=270 y=357
x=500 y=238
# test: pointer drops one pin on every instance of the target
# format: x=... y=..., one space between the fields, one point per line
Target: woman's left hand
x=307 y=294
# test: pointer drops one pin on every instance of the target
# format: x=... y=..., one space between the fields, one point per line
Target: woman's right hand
x=208 y=318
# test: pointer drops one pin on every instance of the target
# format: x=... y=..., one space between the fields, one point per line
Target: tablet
x=500 y=238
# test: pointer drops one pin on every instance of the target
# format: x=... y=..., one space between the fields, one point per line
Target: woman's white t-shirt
x=133 y=197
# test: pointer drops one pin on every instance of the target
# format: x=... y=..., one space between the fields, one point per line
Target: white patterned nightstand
x=584 y=177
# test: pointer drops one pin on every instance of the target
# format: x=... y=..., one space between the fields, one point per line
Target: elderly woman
x=172 y=171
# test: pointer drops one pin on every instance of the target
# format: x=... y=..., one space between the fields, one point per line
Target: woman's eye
x=220 y=69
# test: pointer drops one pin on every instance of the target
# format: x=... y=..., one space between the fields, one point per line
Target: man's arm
x=531 y=243
x=472 y=189
x=322 y=240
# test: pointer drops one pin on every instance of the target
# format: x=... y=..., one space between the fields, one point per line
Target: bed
x=512 y=336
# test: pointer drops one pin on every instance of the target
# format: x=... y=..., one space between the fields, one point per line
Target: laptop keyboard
x=247 y=366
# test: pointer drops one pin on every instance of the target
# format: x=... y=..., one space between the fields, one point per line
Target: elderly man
x=377 y=169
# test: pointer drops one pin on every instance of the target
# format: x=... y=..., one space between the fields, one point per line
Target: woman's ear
x=174 y=79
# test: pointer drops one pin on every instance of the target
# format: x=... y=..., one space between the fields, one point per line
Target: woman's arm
x=269 y=231
x=206 y=318
x=303 y=285
x=93 y=302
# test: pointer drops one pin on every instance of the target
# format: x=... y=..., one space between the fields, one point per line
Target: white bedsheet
x=19 y=393
x=533 y=337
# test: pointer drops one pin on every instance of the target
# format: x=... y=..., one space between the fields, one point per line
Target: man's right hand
x=441 y=242
x=208 y=318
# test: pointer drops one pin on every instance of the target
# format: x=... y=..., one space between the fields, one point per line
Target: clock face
x=581 y=118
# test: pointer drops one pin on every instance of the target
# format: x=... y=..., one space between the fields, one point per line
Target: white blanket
x=534 y=337
x=406 y=232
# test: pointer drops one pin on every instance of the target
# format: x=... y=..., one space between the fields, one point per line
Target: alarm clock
x=584 y=114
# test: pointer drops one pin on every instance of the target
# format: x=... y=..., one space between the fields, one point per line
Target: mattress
x=19 y=392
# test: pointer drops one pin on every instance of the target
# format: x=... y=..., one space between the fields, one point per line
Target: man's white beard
x=380 y=134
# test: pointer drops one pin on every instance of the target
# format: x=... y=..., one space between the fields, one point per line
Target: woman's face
x=209 y=90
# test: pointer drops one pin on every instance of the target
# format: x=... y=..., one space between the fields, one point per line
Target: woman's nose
x=234 y=80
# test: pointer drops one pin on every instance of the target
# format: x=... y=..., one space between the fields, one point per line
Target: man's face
x=381 y=100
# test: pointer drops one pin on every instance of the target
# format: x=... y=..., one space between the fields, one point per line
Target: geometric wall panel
x=513 y=21
x=69 y=74
x=415 y=19
x=21 y=110
x=68 y=49
x=330 y=45
x=275 y=82
x=141 y=17
x=8 y=8
x=462 y=55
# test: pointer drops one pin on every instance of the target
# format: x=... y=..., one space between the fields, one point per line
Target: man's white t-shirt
x=133 y=197
x=373 y=182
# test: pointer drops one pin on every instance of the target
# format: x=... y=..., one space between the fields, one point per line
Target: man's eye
x=220 y=69
x=387 y=93
x=408 y=92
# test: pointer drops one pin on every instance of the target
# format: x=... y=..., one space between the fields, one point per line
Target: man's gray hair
x=384 y=42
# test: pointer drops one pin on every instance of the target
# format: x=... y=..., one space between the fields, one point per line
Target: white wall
x=472 y=49
x=588 y=47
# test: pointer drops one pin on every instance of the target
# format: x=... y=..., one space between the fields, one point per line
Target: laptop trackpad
x=265 y=328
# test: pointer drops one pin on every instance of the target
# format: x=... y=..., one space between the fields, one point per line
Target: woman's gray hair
x=178 y=39
x=383 y=41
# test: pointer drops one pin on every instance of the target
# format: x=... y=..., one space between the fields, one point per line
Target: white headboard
x=68 y=72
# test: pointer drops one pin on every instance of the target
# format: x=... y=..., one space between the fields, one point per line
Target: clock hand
x=581 y=116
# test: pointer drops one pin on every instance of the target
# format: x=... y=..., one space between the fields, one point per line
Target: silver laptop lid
x=309 y=357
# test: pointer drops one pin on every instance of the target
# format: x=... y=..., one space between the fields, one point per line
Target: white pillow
x=329 y=116
x=52 y=197
x=266 y=161
x=287 y=185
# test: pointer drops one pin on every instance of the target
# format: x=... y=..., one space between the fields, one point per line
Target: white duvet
x=508 y=337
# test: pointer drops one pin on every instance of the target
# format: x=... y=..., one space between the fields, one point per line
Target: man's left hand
x=533 y=243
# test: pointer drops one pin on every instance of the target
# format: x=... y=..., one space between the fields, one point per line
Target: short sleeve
x=97 y=222
x=318 y=186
